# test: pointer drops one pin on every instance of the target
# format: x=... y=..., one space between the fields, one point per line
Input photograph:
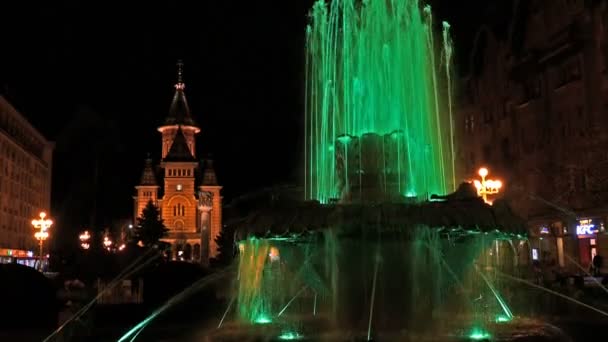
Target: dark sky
x=243 y=72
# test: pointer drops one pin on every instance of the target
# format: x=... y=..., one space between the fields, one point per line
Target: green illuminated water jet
x=378 y=102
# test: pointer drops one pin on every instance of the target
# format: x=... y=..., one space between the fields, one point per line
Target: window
x=178 y=187
x=469 y=123
x=534 y=253
x=179 y=210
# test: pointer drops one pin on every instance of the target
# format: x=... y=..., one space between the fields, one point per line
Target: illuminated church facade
x=185 y=190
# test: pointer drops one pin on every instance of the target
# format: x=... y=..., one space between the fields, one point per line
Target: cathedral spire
x=209 y=177
x=180 y=85
x=147 y=176
x=179 y=112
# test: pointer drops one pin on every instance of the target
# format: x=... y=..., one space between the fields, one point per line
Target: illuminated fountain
x=370 y=253
x=379 y=113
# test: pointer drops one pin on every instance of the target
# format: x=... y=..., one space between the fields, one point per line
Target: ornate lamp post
x=85 y=237
x=42 y=224
x=486 y=186
x=107 y=243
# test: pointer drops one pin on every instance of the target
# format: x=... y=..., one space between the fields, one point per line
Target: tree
x=225 y=246
x=150 y=227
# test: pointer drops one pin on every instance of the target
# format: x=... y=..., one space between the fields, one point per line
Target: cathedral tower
x=192 y=226
x=179 y=117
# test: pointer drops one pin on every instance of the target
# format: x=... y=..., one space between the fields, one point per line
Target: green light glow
x=376 y=85
x=262 y=320
x=290 y=335
x=253 y=296
x=502 y=319
x=501 y=301
x=479 y=334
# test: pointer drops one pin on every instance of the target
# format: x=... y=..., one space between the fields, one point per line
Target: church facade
x=185 y=190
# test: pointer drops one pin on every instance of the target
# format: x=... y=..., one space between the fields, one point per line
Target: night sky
x=98 y=79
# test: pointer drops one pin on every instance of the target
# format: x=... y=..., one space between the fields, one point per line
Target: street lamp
x=42 y=224
x=486 y=186
x=107 y=242
x=84 y=239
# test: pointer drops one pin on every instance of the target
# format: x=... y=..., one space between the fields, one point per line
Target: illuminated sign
x=544 y=230
x=534 y=254
x=588 y=227
x=15 y=253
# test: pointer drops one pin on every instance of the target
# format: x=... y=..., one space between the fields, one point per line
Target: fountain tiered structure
x=370 y=254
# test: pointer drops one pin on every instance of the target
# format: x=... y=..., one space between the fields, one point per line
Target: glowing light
x=290 y=335
x=534 y=253
x=377 y=97
x=486 y=187
x=107 y=242
x=274 y=254
x=84 y=239
x=502 y=319
x=587 y=227
x=479 y=334
x=43 y=224
x=483 y=172
x=262 y=320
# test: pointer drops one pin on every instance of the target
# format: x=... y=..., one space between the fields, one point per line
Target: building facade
x=188 y=194
x=26 y=159
x=534 y=110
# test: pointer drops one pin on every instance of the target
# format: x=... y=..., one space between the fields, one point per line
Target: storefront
x=22 y=257
x=570 y=244
x=590 y=233
x=553 y=243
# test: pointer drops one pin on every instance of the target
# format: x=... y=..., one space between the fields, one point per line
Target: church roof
x=179 y=112
x=179 y=151
x=147 y=176
x=209 y=177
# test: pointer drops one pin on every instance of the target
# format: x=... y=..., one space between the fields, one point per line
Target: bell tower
x=179 y=117
x=191 y=203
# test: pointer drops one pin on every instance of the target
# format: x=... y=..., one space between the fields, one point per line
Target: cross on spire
x=180 y=75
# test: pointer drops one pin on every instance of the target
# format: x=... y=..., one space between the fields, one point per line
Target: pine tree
x=225 y=246
x=150 y=227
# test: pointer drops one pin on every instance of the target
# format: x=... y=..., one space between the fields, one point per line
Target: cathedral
x=186 y=191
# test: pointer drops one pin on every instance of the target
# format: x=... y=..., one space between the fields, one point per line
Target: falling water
x=378 y=101
x=253 y=305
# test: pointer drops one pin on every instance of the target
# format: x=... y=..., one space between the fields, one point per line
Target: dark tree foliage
x=225 y=245
x=150 y=227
